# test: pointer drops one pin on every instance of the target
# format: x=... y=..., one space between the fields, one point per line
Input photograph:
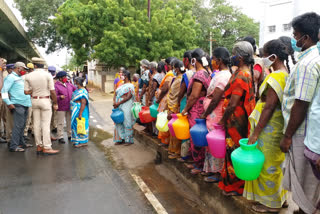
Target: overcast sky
x=251 y=8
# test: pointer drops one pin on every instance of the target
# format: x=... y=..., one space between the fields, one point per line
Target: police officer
x=2 y=104
x=30 y=67
x=40 y=85
x=54 y=119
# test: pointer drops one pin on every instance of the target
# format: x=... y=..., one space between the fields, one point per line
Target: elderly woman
x=79 y=109
x=197 y=91
x=267 y=128
x=64 y=91
x=123 y=133
x=238 y=105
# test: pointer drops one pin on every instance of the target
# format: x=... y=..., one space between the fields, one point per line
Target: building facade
x=278 y=14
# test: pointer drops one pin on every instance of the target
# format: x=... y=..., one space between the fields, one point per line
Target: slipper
x=191 y=166
x=173 y=156
x=195 y=171
x=206 y=173
x=211 y=179
x=232 y=193
x=263 y=209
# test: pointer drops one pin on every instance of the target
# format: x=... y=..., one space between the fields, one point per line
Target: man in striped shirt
x=301 y=88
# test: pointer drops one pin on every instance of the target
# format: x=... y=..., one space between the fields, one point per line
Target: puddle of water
x=97 y=136
x=173 y=200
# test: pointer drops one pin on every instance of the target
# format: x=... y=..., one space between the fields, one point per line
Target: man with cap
x=18 y=103
x=64 y=91
x=30 y=67
x=39 y=84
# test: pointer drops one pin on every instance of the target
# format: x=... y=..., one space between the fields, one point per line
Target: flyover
x=14 y=42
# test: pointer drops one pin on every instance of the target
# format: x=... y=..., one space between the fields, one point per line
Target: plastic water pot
x=199 y=132
x=173 y=119
x=247 y=161
x=135 y=110
x=181 y=127
x=154 y=109
x=117 y=116
x=162 y=122
x=145 y=116
x=217 y=141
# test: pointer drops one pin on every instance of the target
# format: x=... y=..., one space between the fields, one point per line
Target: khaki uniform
x=41 y=83
x=29 y=122
x=3 y=112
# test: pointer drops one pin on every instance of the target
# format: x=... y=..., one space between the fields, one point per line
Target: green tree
x=226 y=23
x=40 y=27
x=117 y=32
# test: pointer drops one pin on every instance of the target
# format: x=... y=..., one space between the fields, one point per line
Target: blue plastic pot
x=199 y=132
x=117 y=116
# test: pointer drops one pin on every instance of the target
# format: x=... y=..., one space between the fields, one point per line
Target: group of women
x=221 y=90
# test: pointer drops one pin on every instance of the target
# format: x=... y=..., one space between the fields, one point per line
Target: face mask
x=294 y=44
x=235 y=61
x=214 y=65
x=318 y=46
x=267 y=62
x=193 y=62
x=23 y=72
x=64 y=79
x=142 y=69
x=174 y=72
x=122 y=77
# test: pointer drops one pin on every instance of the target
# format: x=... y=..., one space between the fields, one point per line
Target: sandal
x=263 y=209
x=18 y=149
x=211 y=179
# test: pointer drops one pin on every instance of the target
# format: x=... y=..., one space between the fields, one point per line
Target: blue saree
x=124 y=131
x=75 y=109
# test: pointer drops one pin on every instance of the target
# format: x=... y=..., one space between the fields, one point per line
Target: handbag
x=81 y=126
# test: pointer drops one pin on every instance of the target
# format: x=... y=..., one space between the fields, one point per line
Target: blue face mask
x=174 y=72
x=294 y=45
x=318 y=46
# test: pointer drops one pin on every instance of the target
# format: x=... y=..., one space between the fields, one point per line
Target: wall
x=102 y=77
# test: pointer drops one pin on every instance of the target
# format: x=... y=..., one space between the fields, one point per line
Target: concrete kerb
x=211 y=194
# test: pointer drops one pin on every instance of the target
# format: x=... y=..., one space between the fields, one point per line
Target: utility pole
x=210 y=44
x=149 y=1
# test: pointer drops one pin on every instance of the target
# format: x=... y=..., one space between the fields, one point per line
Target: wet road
x=75 y=181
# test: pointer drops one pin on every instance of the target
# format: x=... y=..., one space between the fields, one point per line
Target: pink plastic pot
x=217 y=141
x=174 y=118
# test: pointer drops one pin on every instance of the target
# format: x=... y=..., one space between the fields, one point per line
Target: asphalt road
x=74 y=181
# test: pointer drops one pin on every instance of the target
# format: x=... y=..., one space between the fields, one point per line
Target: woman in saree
x=238 y=105
x=79 y=109
x=173 y=106
x=160 y=72
x=213 y=104
x=267 y=129
x=182 y=100
x=196 y=93
x=162 y=96
x=125 y=96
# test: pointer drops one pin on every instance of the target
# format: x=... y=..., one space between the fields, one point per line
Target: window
x=272 y=28
x=286 y=27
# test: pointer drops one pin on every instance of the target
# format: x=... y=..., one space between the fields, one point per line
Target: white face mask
x=142 y=69
x=267 y=62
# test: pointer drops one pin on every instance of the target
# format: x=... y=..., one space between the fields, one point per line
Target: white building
x=278 y=14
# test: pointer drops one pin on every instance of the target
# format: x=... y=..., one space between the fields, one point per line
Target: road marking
x=94 y=121
x=98 y=126
x=149 y=195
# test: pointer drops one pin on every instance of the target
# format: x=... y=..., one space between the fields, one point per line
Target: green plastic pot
x=247 y=161
x=154 y=109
